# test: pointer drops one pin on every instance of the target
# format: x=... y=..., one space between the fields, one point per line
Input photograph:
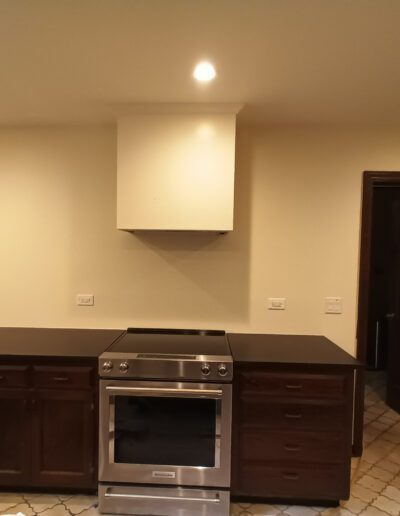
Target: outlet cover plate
x=277 y=303
x=85 y=299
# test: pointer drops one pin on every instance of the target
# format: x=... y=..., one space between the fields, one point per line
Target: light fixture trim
x=204 y=72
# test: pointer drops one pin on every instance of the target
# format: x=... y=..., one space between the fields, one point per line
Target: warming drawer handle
x=165 y=390
x=160 y=497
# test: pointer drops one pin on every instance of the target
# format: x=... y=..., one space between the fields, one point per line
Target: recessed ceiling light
x=204 y=72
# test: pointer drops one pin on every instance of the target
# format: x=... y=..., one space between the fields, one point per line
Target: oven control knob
x=123 y=367
x=206 y=369
x=107 y=366
x=222 y=370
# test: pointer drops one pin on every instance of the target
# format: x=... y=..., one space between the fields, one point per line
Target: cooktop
x=176 y=342
x=156 y=353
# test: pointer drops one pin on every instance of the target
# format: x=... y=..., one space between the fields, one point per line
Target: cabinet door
x=15 y=437
x=63 y=436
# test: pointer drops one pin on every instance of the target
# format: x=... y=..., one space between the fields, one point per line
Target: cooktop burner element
x=166 y=354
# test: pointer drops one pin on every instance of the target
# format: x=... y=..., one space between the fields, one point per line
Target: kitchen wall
x=297 y=216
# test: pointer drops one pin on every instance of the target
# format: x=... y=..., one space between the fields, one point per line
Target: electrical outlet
x=277 y=303
x=85 y=299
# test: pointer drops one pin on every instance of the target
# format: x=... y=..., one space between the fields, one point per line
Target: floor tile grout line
x=383 y=510
x=68 y=510
x=379 y=493
x=29 y=505
x=12 y=506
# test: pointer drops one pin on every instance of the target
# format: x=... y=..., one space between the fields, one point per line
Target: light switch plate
x=333 y=305
x=277 y=303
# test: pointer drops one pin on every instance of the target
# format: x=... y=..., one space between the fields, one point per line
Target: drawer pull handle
x=294 y=386
x=60 y=378
x=288 y=415
x=290 y=476
x=292 y=448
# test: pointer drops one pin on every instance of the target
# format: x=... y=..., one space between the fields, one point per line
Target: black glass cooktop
x=176 y=342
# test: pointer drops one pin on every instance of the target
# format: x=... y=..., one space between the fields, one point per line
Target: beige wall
x=296 y=235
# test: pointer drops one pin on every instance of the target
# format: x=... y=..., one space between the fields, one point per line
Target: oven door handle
x=160 y=391
x=160 y=497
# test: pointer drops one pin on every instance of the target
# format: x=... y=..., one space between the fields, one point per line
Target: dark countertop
x=246 y=347
x=288 y=349
x=54 y=342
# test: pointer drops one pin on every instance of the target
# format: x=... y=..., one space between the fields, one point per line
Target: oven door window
x=165 y=430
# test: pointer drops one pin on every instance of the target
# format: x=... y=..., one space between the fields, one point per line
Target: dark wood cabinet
x=292 y=421
x=292 y=434
x=48 y=435
x=15 y=437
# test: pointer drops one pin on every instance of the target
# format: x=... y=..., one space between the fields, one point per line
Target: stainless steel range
x=165 y=423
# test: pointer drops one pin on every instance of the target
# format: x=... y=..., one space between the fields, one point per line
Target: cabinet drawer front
x=293 y=384
x=310 y=447
x=317 y=483
x=14 y=376
x=62 y=377
x=269 y=413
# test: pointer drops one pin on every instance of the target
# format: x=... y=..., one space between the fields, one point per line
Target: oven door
x=165 y=433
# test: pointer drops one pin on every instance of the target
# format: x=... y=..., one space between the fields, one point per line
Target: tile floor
x=375 y=489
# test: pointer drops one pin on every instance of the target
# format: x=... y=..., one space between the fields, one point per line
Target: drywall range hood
x=176 y=168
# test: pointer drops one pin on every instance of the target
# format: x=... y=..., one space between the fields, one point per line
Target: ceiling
x=290 y=62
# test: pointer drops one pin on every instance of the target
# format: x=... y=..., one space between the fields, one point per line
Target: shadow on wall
x=216 y=264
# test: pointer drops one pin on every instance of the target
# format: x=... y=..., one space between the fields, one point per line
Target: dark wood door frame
x=371 y=179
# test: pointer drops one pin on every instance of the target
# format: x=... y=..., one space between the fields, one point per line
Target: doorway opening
x=378 y=335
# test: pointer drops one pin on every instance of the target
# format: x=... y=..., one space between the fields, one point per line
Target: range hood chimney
x=176 y=167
